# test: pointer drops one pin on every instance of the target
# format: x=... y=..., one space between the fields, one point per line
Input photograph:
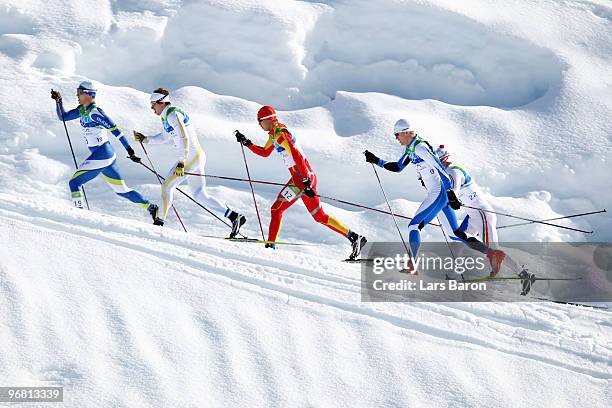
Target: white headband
x=268 y=117
x=158 y=97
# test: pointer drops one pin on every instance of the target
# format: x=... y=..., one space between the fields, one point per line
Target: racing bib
x=290 y=193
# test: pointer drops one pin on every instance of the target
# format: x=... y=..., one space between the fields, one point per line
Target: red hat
x=266 y=112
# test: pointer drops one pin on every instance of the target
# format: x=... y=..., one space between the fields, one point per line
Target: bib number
x=287 y=159
x=290 y=193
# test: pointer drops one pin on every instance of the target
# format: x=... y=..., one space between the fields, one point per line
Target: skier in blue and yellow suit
x=94 y=125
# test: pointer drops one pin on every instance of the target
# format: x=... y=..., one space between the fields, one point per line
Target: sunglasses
x=261 y=120
x=398 y=133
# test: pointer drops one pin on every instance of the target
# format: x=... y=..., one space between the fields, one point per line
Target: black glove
x=371 y=157
x=132 y=155
x=453 y=201
x=55 y=95
x=139 y=137
x=242 y=139
x=308 y=191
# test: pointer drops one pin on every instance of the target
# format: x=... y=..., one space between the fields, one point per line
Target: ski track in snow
x=520 y=336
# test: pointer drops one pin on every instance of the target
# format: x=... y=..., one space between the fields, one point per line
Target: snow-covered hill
x=519 y=92
x=124 y=314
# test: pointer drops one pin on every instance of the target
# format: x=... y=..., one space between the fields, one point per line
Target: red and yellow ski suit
x=299 y=168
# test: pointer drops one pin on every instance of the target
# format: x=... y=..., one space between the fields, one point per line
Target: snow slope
x=519 y=91
x=163 y=318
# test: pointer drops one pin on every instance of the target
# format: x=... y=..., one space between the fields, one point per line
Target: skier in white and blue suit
x=434 y=177
x=102 y=160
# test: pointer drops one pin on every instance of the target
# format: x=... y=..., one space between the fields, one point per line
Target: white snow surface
x=123 y=314
x=162 y=318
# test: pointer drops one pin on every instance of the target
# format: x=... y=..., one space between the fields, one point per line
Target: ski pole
x=71 y=149
x=370 y=208
x=191 y=198
x=503 y=278
x=448 y=244
x=527 y=219
x=391 y=211
x=252 y=191
x=570 y=303
x=400 y=215
x=161 y=183
x=271 y=183
x=527 y=280
x=554 y=219
x=450 y=249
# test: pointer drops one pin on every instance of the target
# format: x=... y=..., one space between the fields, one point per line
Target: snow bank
x=296 y=54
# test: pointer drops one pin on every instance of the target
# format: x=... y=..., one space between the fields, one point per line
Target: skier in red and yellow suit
x=303 y=181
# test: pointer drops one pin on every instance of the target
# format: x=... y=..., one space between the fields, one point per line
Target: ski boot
x=410 y=269
x=154 y=210
x=238 y=221
x=357 y=242
x=527 y=280
x=496 y=257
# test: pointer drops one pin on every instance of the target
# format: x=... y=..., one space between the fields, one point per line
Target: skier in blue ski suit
x=102 y=159
x=434 y=177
